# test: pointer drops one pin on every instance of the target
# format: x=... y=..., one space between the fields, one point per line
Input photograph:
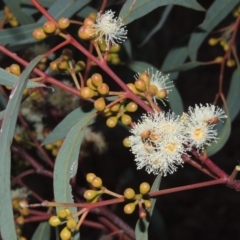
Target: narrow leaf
x=2 y=113
x=174 y=58
x=233 y=97
x=63 y=8
x=175 y=101
x=18 y=35
x=184 y=67
x=66 y=161
x=139 y=67
x=128 y=48
x=217 y=12
x=141 y=229
x=224 y=130
x=195 y=42
x=84 y=12
x=62 y=129
x=133 y=9
x=43 y=231
x=45 y=3
x=8 y=79
x=7 y=224
x=14 y=6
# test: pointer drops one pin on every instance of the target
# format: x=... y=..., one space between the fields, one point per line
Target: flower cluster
x=159 y=140
x=111 y=28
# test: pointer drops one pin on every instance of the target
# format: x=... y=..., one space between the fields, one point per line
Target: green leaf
x=14 y=6
x=175 y=101
x=18 y=35
x=128 y=48
x=63 y=8
x=84 y=12
x=141 y=229
x=224 y=130
x=215 y=14
x=184 y=67
x=7 y=132
x=8 y=79
x=62 y=129
x=233 y=97
x=45 y=3
x=133 y=9
x=139 y=67
x=43 y=231
x=67 y=162
x=2 y=113
x=174 y=58
x=195 y=42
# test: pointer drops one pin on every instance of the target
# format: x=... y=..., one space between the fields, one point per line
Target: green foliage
x=43 y=231
x=141 y=228
x=133 y=10
x=7 y=132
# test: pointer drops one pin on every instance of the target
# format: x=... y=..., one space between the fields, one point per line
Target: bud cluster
x=11 y=19
x=20 y=213
x=225 y=45
x=54 y=147
x=66 y=64
x=50 y=28
x=138 y=199
x=64 y=215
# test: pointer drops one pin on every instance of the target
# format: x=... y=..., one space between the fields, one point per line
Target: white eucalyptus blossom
x=111 y=28
x=157 y=142
x=209 y=113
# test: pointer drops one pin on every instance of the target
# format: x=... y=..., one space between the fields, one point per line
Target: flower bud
x=103 y=89
x=144 y=188
x=140 y=85
x=115 y=108
x=62 y=213
x=97 y=79
x=90 y=85
x=147 y=204
x=63 y=23
x=93 y=15
x=39 y=34
x=54 y=221
x=218 y=59
x=49 y=27
x=62 y=64
x=145 y=134
x=87 y=92
x=67 y=54
x=153 y=90
x=86 y=32
x=20 y=220
x=79 y=66
x=129 y=193
x=65 y=234
x=111 y=122
x=126 y=119
x=132 y=107
x=212 y=41
x=90 y=177
x=132 y=87
x=88 y=21
x=53 y=66
x=230 y=63
x=90 y=194
x=129 y=208
x=71 y=224
x=100 y=104
x=126 y=142
x=115 y=48
x=15 y=69
x=162 y=94
x=97 y=182
x=145 y=77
